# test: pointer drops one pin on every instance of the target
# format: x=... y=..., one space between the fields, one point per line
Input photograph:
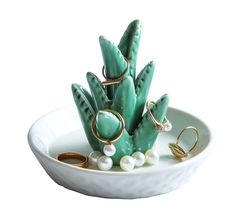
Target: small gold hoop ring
x=159 y=126
x=116 y=137
x=116 y=80
x=196 y=140
x=74 y=155
x=177 y=150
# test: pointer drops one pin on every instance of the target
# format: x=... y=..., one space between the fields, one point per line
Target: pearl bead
x=167 y=126
x=105 y=163
x=109 y=150
x=152 y=157
x=127 y=163
x=93 y=157
x=139 y=159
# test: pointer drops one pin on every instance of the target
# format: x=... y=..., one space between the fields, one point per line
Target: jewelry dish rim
x=204 y=152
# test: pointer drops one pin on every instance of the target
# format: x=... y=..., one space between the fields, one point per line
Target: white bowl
x=61 y=131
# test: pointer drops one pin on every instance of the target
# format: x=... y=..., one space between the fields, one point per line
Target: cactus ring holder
x=110 y=124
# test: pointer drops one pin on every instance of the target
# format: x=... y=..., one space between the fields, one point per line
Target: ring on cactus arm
x=116 y=80
x=160 y=127
x=116 y=137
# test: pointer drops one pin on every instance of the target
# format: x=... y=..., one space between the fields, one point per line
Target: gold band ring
x=116 y=137
x=177 y=150
x=116 y=80
x=74 y=155
x=164 y=126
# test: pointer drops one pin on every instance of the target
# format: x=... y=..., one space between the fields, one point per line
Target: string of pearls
x=127 y=163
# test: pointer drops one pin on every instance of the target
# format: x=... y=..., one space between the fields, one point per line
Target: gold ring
x=164 y=126
x=116 y=80
x=116 y=137
x=74 y=155
x=177 y=150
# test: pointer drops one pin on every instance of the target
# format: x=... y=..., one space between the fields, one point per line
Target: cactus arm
x=97 y=91
x=114 y=62
x=107 y=126
x=142 y=85
x=146 y=133
x=124 y=102
x=129 y=45
x=87 y=95
x=86 y=112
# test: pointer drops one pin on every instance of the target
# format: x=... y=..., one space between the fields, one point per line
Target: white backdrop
x=47 y=45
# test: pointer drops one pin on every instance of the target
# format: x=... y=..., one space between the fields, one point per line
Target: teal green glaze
x=142 y=85
x=124 y=102
x=145 y=134
x=98 y=93
x=104 y=118
x=108 y=125
x=129 y=45
x=86 y=112
x=114 y=62
x=128 y=98
x=89 y=100
x=124 y=146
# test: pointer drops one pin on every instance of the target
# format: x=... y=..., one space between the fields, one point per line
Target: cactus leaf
x=142 y=86
x=146 y=133
x=86 y=112
x=129 y=44
x=143 y=81
x=97 y=91
x=124 y=102
x=107 y=126
x=114 y=62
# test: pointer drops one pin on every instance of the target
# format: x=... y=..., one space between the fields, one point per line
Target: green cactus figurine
x=126 y=95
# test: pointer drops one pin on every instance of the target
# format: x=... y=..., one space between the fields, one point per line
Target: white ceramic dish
x=61 y=131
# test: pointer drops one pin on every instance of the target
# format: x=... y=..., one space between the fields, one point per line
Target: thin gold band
x=196 y=140
x=116 y=80
x=177 y=150
x=159 y=126
x=116 y=137
x=74 y=155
